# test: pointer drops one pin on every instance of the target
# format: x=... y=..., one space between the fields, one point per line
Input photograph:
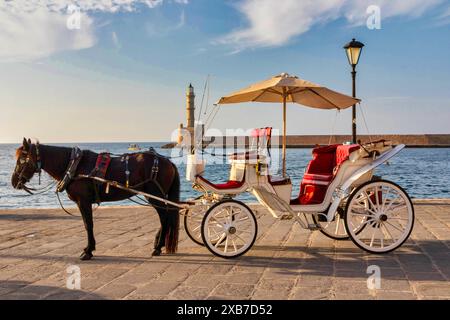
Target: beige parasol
x=286 y=88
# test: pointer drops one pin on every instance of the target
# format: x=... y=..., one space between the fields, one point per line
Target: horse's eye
x=22 y=161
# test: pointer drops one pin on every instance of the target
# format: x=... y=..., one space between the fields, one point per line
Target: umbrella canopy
x=286 y=88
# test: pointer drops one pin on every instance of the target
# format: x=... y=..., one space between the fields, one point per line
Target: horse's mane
x=18 y=152
x=20 y=149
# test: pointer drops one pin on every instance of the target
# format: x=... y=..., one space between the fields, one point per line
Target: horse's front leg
x=86 y=213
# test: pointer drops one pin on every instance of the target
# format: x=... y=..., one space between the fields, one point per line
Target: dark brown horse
x=32 y=157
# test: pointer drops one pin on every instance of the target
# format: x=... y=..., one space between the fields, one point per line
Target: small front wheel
x=193 y=223
x=229 y=229
x=385 y=211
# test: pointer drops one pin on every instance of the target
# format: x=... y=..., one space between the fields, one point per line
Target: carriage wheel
x=229 y=229
x=388 y=216
x=334 y=229
x=193 y=223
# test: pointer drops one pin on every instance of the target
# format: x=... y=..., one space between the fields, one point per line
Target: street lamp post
x=353 y=50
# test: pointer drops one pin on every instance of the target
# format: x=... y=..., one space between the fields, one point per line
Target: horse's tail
x=173 y=215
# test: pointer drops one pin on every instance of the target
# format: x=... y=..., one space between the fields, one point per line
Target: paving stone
x=158 y=288
x=433 y=289
x=115 y=290
x=394 y=295
x=352 y=296
x=243 y=278
x=36 y=246
x=261 y=294
x=231 y=289
x=310 y=293
x=190 y=293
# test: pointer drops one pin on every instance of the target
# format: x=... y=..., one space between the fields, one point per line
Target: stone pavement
x=286 y=262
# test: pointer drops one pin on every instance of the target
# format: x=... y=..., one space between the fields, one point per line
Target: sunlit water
x=424 y=173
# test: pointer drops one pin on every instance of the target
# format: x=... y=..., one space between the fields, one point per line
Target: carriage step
x=287 y=216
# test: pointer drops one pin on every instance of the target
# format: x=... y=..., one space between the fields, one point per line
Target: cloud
x=115 y=40
x=34 y=29
x=163 y=26
x=444 y=18
x=40 y=33
x=275 y=23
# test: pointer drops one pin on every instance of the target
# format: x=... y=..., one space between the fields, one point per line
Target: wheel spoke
x=338 y=219
x=388 y=232
x=370 y=200
x=385 y=199
x=377 y=199
x=240 y=238
x=218 y=222
x=392 y=202
x=234 y=245
x=398 y=207
x=226 y=245
x=221 y=239
x=395 y=227
x=373 y=237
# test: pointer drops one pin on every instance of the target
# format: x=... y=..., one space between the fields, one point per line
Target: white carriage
x=339 y=195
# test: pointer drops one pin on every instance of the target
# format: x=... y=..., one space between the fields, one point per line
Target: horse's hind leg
x=86 y=213
x=160 y=235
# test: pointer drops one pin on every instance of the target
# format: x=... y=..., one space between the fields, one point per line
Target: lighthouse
x=188 y=131
x=190 y=107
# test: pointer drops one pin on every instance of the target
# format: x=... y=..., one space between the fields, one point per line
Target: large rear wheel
x=385 y=213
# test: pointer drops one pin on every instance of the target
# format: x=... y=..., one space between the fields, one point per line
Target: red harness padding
x=101 y=165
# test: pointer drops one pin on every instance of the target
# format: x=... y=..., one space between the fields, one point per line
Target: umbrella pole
x=284 y=135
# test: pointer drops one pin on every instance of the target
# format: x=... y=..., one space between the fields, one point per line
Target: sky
x=117 y=70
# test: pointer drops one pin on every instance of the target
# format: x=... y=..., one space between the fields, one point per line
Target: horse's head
x=28 y=163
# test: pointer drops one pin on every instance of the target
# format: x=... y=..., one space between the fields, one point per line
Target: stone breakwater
x=307 y=141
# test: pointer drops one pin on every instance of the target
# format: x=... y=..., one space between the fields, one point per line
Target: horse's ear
x=29 y=141
x=25 y=144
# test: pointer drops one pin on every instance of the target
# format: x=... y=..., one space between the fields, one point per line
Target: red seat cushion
x=343 y=152
x=320 y=172
x=322 y=179
x=222 y=186
x=324 y=160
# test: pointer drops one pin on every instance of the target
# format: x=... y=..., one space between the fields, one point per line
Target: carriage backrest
x=327 y=158
x=321 y=171
x=260 y=138
x=324 y=160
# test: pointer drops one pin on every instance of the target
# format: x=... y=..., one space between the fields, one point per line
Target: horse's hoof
x=156 y=252
x=86 y=256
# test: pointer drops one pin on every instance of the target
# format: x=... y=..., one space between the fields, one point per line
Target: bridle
x=37 y=168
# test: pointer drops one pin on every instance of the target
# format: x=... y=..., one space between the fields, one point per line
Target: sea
x=423 y=172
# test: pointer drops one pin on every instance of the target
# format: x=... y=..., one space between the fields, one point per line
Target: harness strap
x=38 y=162
x=75 y=158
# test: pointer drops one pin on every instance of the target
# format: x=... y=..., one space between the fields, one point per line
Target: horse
x=34 y=157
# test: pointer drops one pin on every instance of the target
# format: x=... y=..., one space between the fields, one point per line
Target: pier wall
x=307 y=141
